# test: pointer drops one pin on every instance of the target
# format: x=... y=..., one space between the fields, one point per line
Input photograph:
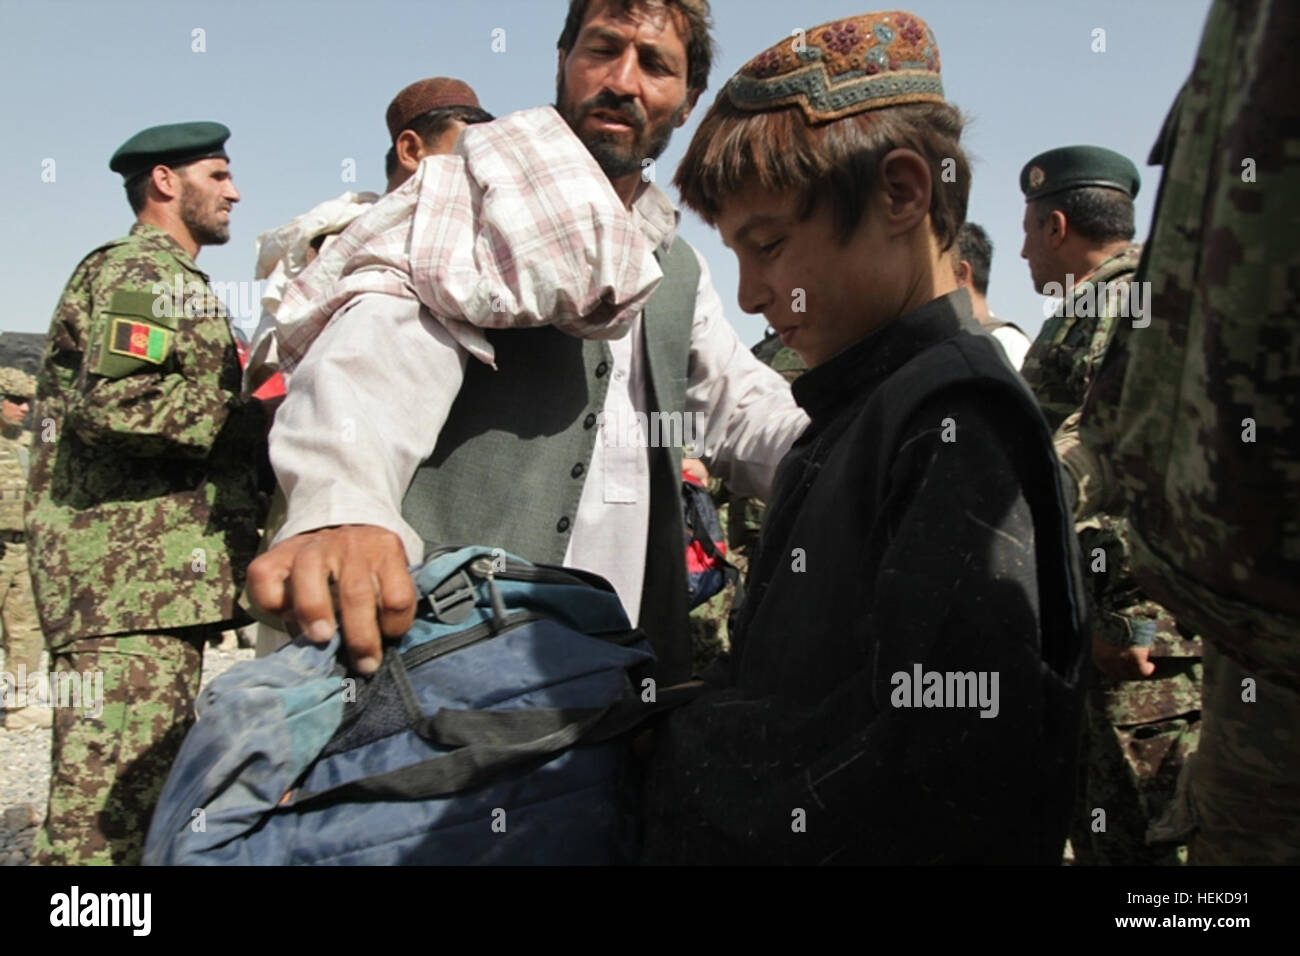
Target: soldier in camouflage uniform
x=742 y=521
x=1193 y=425
x=22 y=630
x=141 y=508
x=1142 y=716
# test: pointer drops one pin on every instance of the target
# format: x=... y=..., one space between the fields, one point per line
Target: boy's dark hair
x=700 y=48
x=1094 y=212
x=390 y=162
x=975 y=246
x=836 y=162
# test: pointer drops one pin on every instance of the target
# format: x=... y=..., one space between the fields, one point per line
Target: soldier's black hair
x=137 y=190
x=1094 y=212
x=975 y=246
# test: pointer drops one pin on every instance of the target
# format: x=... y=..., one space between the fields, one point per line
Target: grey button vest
x=511 y=460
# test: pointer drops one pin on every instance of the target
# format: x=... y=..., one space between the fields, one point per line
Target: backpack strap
x=491 y=742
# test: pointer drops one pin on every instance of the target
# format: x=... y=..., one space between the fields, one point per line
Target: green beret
x=1072 y=167
x=171 y=145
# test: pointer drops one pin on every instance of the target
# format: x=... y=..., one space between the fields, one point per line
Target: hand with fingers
x=353 y=575
x=1122 y=663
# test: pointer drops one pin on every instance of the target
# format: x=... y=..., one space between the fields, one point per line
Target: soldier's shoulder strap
x=104 y=247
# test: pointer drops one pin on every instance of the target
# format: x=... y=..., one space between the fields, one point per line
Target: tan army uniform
x=22 y=630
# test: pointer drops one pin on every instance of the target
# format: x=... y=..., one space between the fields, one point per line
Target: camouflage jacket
x=15 y=442
x=1197 y=412
x=142 y=507
x=1060 y=364
x=1059 y=368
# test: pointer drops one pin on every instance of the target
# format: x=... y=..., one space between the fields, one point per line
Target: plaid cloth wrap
x=517 y=228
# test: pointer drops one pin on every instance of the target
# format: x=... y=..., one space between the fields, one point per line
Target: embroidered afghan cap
x=172 y=145
x=838 y=69
x=424 y=96
x=1072 y=167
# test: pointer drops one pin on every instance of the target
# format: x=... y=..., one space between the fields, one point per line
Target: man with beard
x=141 y=509
x=525 y=457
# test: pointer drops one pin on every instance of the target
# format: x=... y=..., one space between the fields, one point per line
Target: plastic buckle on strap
x=452 y=602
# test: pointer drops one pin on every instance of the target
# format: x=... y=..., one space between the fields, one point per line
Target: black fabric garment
x=919 y=520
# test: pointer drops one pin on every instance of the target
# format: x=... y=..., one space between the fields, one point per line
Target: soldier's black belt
x=13 y=537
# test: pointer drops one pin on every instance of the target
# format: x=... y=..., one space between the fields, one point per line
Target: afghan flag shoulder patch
x=139 y=340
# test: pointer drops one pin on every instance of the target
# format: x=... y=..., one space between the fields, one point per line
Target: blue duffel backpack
x=496 y=731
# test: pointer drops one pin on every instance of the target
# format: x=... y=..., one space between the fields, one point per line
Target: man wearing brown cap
x=424 y=120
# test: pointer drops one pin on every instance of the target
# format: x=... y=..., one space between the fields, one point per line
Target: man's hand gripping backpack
x=496 y=731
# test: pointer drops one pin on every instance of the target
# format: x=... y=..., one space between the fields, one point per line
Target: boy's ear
x=905 y=176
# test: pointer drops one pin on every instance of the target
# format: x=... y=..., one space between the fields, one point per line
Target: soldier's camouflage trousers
x=1244 y=805
x=107 y=771
x=1129 y=768
x=22 y=628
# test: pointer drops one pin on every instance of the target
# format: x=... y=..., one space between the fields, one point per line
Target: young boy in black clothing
x=903 y=686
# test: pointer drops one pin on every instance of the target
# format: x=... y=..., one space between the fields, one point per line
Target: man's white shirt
x=367 y=404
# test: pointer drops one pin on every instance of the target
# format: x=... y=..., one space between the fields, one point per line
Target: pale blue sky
x=303 y=84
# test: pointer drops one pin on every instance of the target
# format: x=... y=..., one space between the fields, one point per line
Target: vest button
x=601 y=369
x=577 y=470
x=589 y=420
x=562 y=525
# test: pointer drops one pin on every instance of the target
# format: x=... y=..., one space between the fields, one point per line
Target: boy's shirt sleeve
x=955 y=590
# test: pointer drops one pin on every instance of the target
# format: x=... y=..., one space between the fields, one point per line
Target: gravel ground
x=25 y=781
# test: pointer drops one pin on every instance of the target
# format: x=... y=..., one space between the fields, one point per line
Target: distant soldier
x=142 y=507
x=1195 y=410
x=22 y=630
x=972 y=259
x=1143 y=714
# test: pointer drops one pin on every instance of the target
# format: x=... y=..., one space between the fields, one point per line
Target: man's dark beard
x=192 y=216
x=615 y=159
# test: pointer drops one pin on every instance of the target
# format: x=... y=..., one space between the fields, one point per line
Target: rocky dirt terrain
x=25 y=772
